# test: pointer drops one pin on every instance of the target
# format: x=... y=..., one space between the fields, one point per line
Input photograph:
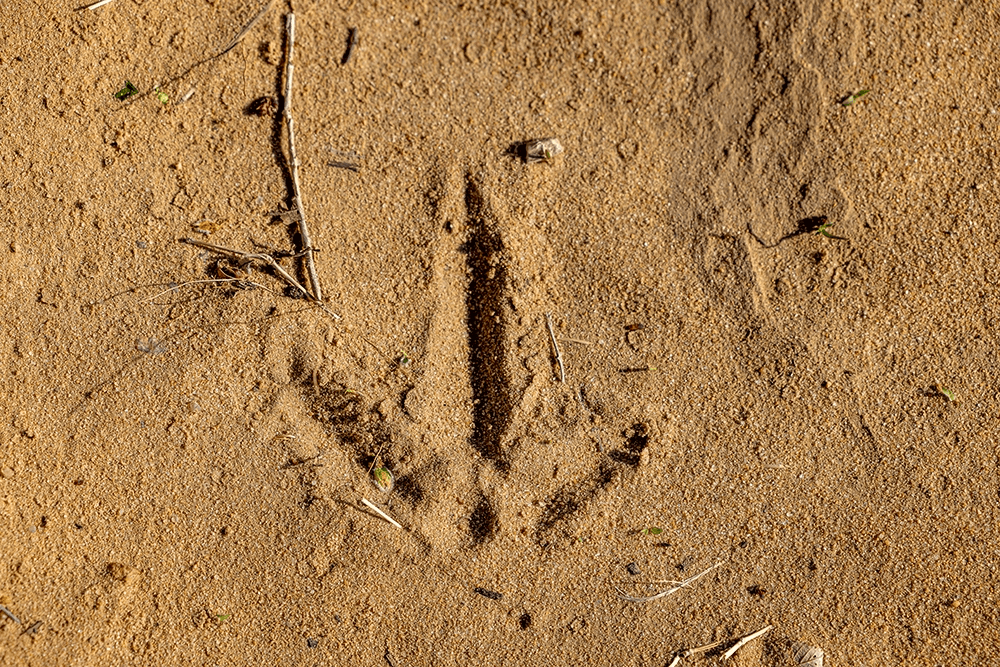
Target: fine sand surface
x=182 y=467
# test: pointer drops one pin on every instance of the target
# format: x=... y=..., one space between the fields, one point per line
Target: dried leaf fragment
x=542 y=150
x=807 y=656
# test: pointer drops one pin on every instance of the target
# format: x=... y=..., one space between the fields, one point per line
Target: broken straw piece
x=745 y=640
x=678 y=585
x=807 y=656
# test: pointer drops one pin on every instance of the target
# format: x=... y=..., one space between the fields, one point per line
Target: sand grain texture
x=180 y=480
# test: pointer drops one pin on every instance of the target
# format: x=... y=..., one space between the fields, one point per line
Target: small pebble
x=633 y=569
x=7 y=472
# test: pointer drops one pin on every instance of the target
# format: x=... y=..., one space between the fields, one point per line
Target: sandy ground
x=182 y=463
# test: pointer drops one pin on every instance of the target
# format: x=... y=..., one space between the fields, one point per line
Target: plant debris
x=677 y=585
x=493 y=595
x=541 y=150
x=383 y=479
x=128 y=91
x=807 y=656
x=855 y=97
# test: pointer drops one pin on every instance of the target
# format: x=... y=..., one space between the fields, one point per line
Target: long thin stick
x=738 y=645
x=555 y=344
x=382 y=514
x=674 y=589
x=200 y=282
x=317 y=293
x=260 y=257
x=98 y=4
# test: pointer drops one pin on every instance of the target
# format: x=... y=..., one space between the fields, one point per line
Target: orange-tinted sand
x=181 y=470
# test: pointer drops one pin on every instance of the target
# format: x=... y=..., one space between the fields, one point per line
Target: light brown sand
x=789 y=425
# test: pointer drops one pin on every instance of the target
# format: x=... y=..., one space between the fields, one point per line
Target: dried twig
x=247 y=27
x=317 y=293
x=9 y=614
x=688 y=652
x=267 y=259
x=242 y=282
x=260 y=257
x=555 y=345
x=32 y=629
x=382 y=514
x=97 y=4
x=674 y=589
x=749 y=638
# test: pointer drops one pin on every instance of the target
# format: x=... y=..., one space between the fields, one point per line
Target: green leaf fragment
x=128 y=91
x=383 y=479
x=823 y=232
x=855 y=97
